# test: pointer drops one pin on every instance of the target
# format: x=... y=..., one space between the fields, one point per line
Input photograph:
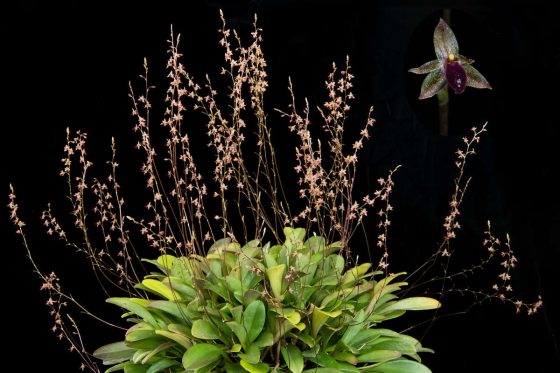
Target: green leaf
x=401 y=366
x=155 y=351
x=161 y=365
x=320 y=317
x=264 y=340
x=203 y=329
x=346 y=357
x=252 y=354
x=234 y=368
x=255 y=368
x=157 y=287
x=135 y=368
x=178 y=310
x=275 y=276
x=116 y=368
x=354 y=274
x=354 y=327
x=166 y=261
x=322 y=370
x=376 y=356
x=181 y=339
x=253 y=319
x=413 y=304
x=238 y=330
x=293 y=358
x=132 y=305
x=114 y=353
x=201 y=355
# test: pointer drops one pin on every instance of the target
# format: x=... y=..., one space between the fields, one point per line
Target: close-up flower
x=449 y=68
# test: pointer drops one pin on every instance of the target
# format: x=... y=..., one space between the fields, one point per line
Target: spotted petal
x=445 y=42
x=475 y=79
x=426 y=68
x=465 y=60
x=432 y=84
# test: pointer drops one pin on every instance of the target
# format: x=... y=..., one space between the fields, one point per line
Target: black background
x=69 y=63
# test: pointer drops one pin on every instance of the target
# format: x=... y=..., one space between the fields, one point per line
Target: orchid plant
x=450 y=68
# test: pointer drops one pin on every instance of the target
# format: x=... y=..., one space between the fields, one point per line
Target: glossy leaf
x=293 y=358
x=114 y=353
x=413 y=304
x=203 y=329
x=181 y=339
x=377 y=356
x=255 y=368
x=161 y=365
x=133 y=306
x=201 y=355
x=275 y=276
x=253 y=319
x=401 y=366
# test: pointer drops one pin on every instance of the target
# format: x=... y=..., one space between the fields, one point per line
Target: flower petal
x=426 y=68
x=475 y=79
x=465 y=60
x=456 y=76
x=445 y=42
x=432 y=84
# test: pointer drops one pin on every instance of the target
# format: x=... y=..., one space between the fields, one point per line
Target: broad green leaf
x=293 y=358
x=376 y=356
x=401 y=366
x=181 y=339
x=203 y=329
x=353 y=328
x=155 y=351
x=354 y=274
x=264 y=340
x=179 y=328
x=346 y=357
x=166 y=261
x=253 y=319
x=234 y=368
x=239 y=331
x=161 y=289
x=254 y=368
x=160 y=365
x=114 y=353
x=275 y=276
x=320 y=317
x=133 y=306
x=252 y=354
x=413 y=304
x=305 y=338
x=135 y=368
x=201 y=355
x=177 y=284
x=322 y=370
x=117 y=367
x=178 y=310
x=235 y=348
